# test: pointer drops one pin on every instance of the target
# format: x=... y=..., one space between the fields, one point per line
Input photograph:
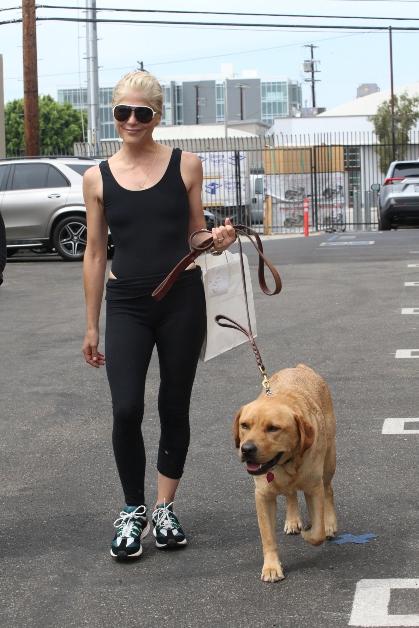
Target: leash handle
x=201 y=241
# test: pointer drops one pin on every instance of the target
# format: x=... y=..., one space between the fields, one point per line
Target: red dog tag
x=270 y=476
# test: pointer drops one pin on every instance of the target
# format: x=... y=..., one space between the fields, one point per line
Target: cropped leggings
x=176 y=325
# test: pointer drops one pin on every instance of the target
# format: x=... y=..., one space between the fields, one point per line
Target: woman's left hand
x=224 y=235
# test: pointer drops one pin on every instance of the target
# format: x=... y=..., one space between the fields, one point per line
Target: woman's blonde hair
x=143 y=81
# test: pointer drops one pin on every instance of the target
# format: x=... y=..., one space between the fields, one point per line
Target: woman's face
x=131 y=130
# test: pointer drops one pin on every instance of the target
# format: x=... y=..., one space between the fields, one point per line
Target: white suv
x=42 y=204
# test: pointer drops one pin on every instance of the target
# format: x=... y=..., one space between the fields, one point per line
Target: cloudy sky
x=347 y=59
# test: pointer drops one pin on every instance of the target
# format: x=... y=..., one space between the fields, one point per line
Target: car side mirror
x=375 y=187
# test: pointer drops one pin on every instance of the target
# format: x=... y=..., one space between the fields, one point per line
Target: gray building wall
x=2 y=128
x=243 y=99
x=198 y=102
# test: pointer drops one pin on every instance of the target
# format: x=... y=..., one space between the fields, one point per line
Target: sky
x=346 y=59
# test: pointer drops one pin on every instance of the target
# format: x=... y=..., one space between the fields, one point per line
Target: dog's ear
x=236 y=428
x=306 y=432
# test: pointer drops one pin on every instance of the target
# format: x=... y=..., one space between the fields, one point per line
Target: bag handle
x=201 y=241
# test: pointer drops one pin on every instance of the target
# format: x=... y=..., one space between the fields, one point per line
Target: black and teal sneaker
x=132 y=525
x=167 y=529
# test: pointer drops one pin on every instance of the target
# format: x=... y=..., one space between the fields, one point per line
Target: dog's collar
x=270 y=476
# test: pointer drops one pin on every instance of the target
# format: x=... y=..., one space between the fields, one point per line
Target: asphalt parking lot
x=350 y=309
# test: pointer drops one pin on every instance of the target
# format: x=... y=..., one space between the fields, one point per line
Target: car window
x=80 y=168
x=55 y=178
x=3 y=176
x=406 y=170
x=30 y=176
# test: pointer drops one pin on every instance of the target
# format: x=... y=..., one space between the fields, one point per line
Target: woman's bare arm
x=94 y=265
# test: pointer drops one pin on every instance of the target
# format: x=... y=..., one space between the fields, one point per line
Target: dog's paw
x=293 y=526
x=313 y=539
x=272 y=573
x=331 y=528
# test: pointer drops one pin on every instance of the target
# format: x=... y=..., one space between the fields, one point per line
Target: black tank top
x=149 y=227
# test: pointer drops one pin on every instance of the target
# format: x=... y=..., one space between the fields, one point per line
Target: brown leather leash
x=201 y=241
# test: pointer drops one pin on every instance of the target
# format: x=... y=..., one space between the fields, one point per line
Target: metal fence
x=263 y=181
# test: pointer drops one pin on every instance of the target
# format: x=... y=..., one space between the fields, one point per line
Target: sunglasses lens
x=121 y=113
x=143 y=114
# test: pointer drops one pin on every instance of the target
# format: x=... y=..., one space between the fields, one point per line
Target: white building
x=352 y=117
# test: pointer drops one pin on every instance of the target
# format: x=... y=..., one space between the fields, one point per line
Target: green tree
x=60 y=125
x=406 y=114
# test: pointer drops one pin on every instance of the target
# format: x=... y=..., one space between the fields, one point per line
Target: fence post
x=267 y=216
x=305 y=206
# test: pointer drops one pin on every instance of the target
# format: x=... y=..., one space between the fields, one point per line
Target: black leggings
x=176 y=325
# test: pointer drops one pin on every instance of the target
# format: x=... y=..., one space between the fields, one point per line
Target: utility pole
x=241 y=102
x=30 y=79
x=311 y=67
x=393 y=131
x=93 y=129
x=196 y=104
x=242 y=87
x=226 y=108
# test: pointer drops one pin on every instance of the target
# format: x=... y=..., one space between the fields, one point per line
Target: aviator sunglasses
x=143 y=114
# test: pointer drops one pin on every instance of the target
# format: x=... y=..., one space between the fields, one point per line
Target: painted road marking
x=410 y=310
x=344 y=243
x=407 y=353
x=414 y=252
x=398 y=426
x=413 y=265
x=371 y=602
x=412 y=284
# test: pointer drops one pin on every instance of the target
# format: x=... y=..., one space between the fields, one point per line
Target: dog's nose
x=248 y=449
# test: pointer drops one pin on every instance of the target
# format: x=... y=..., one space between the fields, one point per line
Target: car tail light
x=391 y=180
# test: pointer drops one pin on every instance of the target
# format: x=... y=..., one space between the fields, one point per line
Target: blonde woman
x=149 y=195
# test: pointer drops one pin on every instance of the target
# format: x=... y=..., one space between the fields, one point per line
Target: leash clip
x=265 y=381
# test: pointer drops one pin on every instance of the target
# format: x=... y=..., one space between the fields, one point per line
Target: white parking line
x=413 y=265
x=397 y=426
x=371 y=601
x=412 y=284
x=354 y=243
x=407 y=353
x=410 y=310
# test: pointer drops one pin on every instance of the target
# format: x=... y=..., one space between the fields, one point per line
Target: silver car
x=42 y=204
x=399 y=195
x=41 y=201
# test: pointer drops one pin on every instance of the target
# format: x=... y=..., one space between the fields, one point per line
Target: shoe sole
x=123 y=554
x=172 y=544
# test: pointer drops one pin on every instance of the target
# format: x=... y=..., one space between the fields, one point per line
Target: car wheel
x=384 y=224
x=70 y=238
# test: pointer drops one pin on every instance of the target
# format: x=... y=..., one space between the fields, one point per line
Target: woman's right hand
x=89 y=349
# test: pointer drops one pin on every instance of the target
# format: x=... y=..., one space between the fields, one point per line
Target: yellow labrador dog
x=287 y=441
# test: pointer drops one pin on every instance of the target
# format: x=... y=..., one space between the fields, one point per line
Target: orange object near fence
x=305 y=207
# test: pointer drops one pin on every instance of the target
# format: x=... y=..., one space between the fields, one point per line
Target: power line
x=13 y=21
x=242 y=14
x=235 y=24
x=203 y=58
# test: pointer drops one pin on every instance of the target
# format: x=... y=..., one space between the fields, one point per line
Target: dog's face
x=268 y=432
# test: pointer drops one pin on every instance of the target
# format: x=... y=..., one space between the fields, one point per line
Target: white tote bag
x=224 y=294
